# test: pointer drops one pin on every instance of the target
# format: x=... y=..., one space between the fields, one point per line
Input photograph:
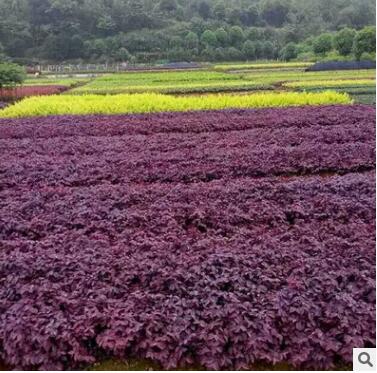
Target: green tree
x=289 y=52
x=106 y=25
x=208 y=38
x=258 y=49
x=122 y=55
x=365 y=41
x=233 y=54
x=253 y=34
x=236 y=35
x=275 y=12
x=323 y=44
x=222 y=36
x=59 y=30
x=343 y=41
x=268 y=50
x=11 y=74
x=220 y=54
x=191 y=40
x=178 y=54
x=168 y=5
x=368 y=56
x=175 y=42
x=250 y=16
x=233 y=16
x=2 y=56
x=208 y=54
x=248 y=50
x=219 y=11
x=76 y=47
x=204 y=9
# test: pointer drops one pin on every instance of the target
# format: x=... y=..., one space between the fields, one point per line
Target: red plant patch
x=216 y=238
x=26 y=91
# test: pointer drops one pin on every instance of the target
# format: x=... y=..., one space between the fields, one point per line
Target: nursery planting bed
x=213 y=239
x=32 y=90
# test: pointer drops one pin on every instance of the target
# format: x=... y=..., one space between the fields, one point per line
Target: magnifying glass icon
x=364 y=358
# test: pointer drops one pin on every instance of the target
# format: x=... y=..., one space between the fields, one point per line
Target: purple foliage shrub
x=220 y=239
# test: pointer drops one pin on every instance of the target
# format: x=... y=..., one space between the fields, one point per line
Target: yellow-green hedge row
x=151 y=102
x=266 y=65
x=331 y=83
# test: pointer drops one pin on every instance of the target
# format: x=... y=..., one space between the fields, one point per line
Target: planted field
x=151 y=102
x=166 y=82
x=267 y=65
x=297 y=76
x=212 y=239
x=67 y=82
x=340 y=83
x=210 y=81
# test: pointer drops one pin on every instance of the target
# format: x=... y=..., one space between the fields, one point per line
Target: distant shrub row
x=342 y=65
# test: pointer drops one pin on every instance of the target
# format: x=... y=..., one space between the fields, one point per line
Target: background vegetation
x=177 y=30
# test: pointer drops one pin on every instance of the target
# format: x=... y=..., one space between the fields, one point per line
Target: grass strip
x=331 y=83
x=276 y=65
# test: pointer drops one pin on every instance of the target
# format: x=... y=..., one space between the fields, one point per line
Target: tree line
x=177 y=30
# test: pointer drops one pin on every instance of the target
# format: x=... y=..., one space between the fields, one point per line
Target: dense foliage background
x=177 y=30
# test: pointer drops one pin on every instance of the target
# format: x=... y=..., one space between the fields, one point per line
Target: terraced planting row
x=212 y=239
x=17 y=93
x=167 y=82
x=208 y=81
x=151 y=103
x=341 y=83
x=261 y=66
x=298 y=75
x=46 y=80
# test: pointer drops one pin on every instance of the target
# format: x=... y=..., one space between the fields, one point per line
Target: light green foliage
x=248 y=49
x=278 y=76
x=151 y=102
x=208 y=38
x=167 y=82
x=222 y=37
x=249 y=77
x=332 y=83
x=236 y=35
x=262 y=65
x=11 y=74
x=323 y=44
x=67 y=82
x=365 y=41
x=191 y=40
x=289 y=52
x=343 y=41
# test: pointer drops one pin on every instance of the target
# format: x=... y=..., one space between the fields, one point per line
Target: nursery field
x=227 y=78
x=39 y=87
x=211 y=239
x=212 y=81
x=206 y=81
